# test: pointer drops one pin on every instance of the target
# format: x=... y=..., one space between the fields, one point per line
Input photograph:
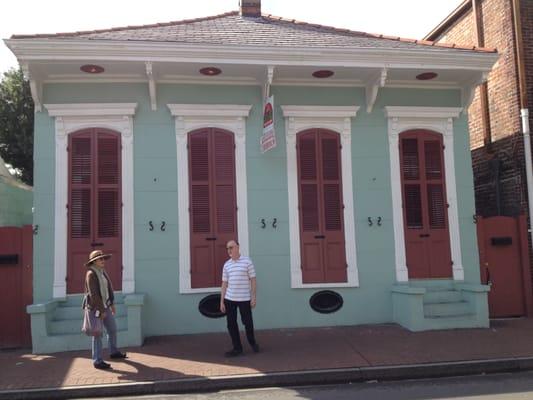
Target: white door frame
x=438 y=119
x=337 y=119
x=70 y=118
x=190 y=117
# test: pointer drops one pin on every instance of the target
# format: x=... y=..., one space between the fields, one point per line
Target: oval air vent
x=209 y=306
x=326 y=301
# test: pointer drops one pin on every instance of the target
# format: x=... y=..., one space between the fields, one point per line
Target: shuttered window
x=213 y=209
x=321 y=208
x=95 y=204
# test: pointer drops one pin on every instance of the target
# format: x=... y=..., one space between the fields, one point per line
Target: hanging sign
x=268 y=138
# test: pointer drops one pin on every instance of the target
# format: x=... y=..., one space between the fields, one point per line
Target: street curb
x=294 y=378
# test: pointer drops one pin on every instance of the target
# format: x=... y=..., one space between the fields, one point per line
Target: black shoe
x=118 y=354
x=233 y=353
x=255 y=348
x=102 y=365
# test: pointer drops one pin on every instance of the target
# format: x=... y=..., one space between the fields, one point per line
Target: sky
x=404 y=18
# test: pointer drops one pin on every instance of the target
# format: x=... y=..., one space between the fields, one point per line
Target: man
x=238 y=292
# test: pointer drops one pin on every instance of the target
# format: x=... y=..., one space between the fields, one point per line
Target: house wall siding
x=155 y=197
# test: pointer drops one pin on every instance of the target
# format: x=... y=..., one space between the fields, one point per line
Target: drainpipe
x=524 y=111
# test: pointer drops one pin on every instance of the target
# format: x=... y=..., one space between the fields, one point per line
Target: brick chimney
x=250 y=8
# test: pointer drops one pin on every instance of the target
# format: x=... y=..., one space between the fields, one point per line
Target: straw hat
x=96 y=255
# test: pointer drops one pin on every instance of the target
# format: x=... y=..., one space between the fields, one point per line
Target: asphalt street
x=511 y=386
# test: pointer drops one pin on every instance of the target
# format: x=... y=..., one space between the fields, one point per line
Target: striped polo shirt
x=238 y=273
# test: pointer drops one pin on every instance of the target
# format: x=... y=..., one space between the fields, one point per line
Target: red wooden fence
x=16 y=271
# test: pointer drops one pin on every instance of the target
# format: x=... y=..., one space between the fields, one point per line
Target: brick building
x=496 y=138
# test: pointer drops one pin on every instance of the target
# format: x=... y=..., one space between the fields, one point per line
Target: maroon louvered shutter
x=334 y=249
x=212 y=203
x=200 y=206
x=108 y=209
x=80 y=208
x=311 y=247
x=425 y=211
x=320 y=206
x=94 y=204
x=225 y=197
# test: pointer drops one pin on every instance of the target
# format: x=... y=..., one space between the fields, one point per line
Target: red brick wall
x=502 y=83
x=504 y=110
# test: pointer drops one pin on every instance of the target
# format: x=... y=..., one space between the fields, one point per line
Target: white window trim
x=438 y=119
x=337 y=119
x=70 y=118
x=190 y=117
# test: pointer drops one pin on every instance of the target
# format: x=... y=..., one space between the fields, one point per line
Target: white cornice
x=320 y=111
x=100 y=50
x=36 y=87
x=422 y=112
x=209 y=110
x=91 y=109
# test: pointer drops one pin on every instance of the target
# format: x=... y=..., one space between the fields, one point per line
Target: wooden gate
x=504 y=264
x=16 y=268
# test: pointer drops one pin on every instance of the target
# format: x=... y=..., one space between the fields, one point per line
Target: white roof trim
x=422 y=112
x=90 y=109
x=320 y=111
x=102 y=50
x=210 y=110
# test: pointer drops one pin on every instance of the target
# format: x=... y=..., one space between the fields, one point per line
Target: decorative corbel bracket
x=376 y=81
x=268 y=81
x=468 y=89
x=151 y=85
x=35 y=86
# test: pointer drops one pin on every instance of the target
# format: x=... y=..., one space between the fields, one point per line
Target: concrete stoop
x=440 y=304
x=56 y=325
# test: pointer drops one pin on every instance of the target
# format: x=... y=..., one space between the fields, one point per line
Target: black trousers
x=246 y=317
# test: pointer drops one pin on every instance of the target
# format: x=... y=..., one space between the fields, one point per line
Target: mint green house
x=151 y=144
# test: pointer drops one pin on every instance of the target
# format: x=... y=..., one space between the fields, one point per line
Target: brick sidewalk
x=284 y=350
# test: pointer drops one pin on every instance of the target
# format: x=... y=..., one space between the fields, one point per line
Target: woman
x=100 y=300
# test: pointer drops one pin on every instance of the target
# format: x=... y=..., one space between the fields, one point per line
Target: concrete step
x=433 y=284
x=455 y=322
x=442 y=296
x=76 y=300
x=79 y=341
x=62 y=312
x=451 y=309
x=73 y=326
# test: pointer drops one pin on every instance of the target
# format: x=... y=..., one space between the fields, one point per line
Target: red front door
x=213 y=205
x=425 y=209
x=321 y=207
x=95 y=204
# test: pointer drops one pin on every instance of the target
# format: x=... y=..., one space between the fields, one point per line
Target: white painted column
x=241 y=185
x=397 y=209
x=61 y=211
x=128 y=218
x=294 y=223
x=347 y=195
x=451 y=195
x=183 y=206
